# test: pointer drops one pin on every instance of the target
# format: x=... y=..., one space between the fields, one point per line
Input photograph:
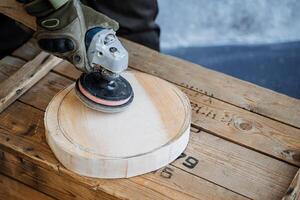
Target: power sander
x=102 y=88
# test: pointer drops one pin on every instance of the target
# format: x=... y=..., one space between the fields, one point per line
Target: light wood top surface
x=154 y=129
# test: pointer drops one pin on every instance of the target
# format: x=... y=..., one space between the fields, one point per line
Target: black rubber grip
x=57 y=45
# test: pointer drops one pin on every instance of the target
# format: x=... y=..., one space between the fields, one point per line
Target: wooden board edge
x=293 y=192
x=13 y=189
x=15 y=10
x=18 y=83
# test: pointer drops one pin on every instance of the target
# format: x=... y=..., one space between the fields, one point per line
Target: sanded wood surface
x=152 y=132
x=14 y=190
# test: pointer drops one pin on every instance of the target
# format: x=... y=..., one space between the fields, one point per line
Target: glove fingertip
x=114 y=25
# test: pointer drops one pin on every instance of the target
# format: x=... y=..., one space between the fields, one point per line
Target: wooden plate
x=151 y=133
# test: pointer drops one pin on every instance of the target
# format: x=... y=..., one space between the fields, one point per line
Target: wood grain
x=236 y=168
x=13 y=190
x=245 y=128
x=15 y=10
x=27 y=51
x=9 y=65
x=232 y=90
x=232 y=123
x=293 y=192
x=18 y=83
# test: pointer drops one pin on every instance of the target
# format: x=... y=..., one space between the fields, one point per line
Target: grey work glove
x=61 y=31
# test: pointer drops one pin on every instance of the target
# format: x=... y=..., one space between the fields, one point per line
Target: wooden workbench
x=245 y=140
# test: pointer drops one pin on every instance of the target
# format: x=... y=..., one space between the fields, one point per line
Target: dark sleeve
x=11 y=35
x=136 y=19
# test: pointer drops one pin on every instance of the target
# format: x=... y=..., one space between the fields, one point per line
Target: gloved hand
x=62 y=26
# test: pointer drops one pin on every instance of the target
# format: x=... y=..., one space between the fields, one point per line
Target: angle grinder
x=102 y=88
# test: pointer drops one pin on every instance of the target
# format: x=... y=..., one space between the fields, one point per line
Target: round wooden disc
x=151 y=133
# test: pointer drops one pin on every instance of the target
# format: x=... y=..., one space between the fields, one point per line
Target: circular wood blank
x=151 y=133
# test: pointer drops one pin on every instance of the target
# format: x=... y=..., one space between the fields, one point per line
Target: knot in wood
x=291 y=154
x=243 y=124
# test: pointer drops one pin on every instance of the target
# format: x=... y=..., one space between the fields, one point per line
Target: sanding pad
x=103 y=95
x=150 y=134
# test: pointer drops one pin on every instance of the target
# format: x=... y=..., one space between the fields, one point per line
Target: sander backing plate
x=150 y=134
x=96 y=93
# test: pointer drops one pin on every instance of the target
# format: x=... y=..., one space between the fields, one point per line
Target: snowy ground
x=255 y=40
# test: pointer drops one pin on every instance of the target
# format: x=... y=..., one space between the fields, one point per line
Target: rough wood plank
x=15 y=10
x=66 y=69
x=151 y=186
x=9 y=65
x=293 y=192
x=51 y=84
x=232 y=90
x=45 y=180
x=25 y=77
x=27 y=51
x=237 y=168
x=235 y=124
x=14 y=190
x=245 y=128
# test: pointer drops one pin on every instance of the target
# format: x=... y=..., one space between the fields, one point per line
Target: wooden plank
x=14 y=190
x=232 y=90
x=25 y=77
x=293 y=192
x=66 y=69
x=245 y=128
x=151 y=186
x=15 y=10
x=28 y=50
x=236 y=168
x=243 y=169
x=44 y=180
x=51 y=84
x=26 y=157
x=235 y=124
x=8 y=66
